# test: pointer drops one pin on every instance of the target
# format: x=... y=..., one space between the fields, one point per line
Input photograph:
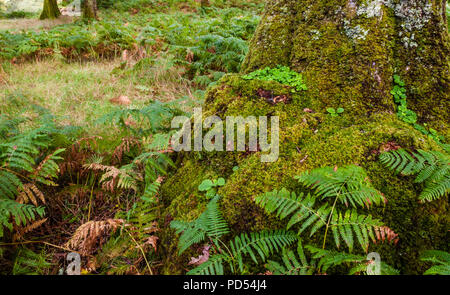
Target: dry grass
x=80 y=93
x=77 y=91
x=33 y=24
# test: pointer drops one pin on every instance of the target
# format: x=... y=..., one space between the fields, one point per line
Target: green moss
x=308 y=141
x=272 y=42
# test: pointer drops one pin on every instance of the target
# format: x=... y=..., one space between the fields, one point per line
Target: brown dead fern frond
x=384 y=233
x=90 y=141
x=21 y=231
x=124 y=147
x=150 y=241
x=29 y=193
x=77 y=155
x=113 y=177
x=109 y=178
x=99 y=167
x=91 y=235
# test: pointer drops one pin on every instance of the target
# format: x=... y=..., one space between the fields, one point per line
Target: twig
x=142 y=250
x=42 y=242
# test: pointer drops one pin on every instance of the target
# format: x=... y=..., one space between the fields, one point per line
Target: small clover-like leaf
x=220 y=182
x=205 y=185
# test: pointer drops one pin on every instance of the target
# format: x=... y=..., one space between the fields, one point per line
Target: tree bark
x=89 y=9
x=50 y=10
x=349 y=50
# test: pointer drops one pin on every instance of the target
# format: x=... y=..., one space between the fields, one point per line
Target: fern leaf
x=29 y=193
x=432 y=168
x=291 y=265
x=214 y=266
x=260 y=243
x=48 y=169
x=210 y=223
x=300 y=207
x=435 y=190
x=441 y=261
x=345 y=226
x=9 y=184
x=349 y=184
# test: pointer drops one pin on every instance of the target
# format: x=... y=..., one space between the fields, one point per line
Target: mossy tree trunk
x=50 y=10
x=349 y=50
x=89 y=9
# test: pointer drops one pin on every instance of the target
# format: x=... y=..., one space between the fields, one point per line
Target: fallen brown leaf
x=121 y=100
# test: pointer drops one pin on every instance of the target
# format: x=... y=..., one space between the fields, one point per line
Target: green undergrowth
x=16 y=14
x=208 y=42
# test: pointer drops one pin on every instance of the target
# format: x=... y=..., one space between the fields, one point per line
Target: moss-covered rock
x=308 y=140
x=348 y=51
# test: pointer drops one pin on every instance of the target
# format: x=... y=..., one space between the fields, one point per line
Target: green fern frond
x=435 y=190
x=321 y=261
x=215 y=223
x=9 y=184
x=291 y=265
x=328 y=259
x=209 y=224
x=260 y=244
x=431 y=167
x=9 y=126
x=150 y=191
x=441 y=261
x=28 y=262
x=402 y=162
x=305 y=211
x=214 y=266
x=285 y=203
x=191 y=233
x=21 y=214
x=24 y=157
x=19 y=154
x=152 y=119
x=345 y=226
x=349 y=184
